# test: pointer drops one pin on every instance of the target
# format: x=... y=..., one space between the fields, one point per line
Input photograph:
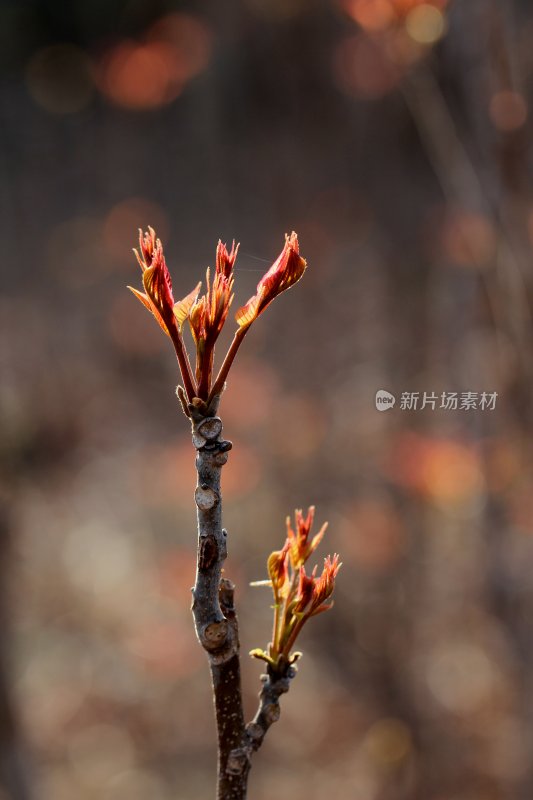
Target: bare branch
x=213 y=609
x=268 y=712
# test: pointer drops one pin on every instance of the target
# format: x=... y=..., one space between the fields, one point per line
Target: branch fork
x=297 y=596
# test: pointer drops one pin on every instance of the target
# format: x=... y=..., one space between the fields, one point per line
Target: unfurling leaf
x=183 y=307
x=284 y=273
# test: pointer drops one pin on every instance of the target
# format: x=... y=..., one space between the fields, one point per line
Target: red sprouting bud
x=158 y=284
x=157 y=298
x=325 y=584
x=301 y=548
x=208 y=314
x=304 y=596
x=147 y=246
x=224 y=260
x=278 y=571
x=206 y=319
x=156 y=279
x=284 y=273
x=297 y=595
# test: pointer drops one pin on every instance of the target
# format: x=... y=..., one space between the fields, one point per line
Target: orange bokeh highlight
x=372 y=15
x=444 y=471
x=189 y=39
x=507 y=110
x=404 y=7
x=372 y=535
x=395 y=35
x=425 y=24
x=362 y=68
x=377 y=15
x=139 y=76
x=142 y=76
x=469 y=239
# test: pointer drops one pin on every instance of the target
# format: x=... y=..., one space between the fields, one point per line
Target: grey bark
x=268 y=712
x=216 y=623
x=213 y=610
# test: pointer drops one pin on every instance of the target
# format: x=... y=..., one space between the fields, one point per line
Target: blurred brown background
x=394 y=137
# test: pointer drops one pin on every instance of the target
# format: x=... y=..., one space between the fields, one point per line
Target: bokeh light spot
x=425 y=24
x=461 y=676
x=507 y=110
x=444 y=471
x=372 y=535
x=388 y=742
x=59 y=79
x=404 y=7
x=372 y=15
x=189 y=41
x=362 y=68
x=138 y=77
x=469 y=239
x=451 y=473
x=142 y=76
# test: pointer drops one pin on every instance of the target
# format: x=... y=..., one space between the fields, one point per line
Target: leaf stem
x=218 y=385
x=182 y=356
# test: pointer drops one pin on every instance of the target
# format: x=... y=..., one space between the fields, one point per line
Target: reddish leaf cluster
x=208 y=313
x=297 y=595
